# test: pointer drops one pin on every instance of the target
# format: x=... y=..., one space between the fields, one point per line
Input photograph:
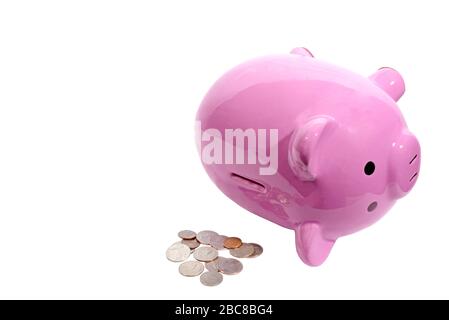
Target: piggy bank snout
x=406 y=163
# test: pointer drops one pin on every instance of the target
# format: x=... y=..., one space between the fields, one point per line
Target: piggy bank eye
x=369 y=168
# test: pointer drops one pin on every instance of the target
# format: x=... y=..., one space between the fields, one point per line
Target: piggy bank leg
x=312 y=248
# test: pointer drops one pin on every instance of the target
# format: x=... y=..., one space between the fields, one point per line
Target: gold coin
x=232 y=242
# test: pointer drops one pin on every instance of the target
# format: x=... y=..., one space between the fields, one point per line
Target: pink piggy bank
x=310 y=146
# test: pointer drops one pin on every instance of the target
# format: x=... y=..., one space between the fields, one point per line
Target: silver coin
x=230 y=266
x=213 y=265
x=217 y=241
x=205 y=236
x=244 y=251
x=205 y=254
x=177 y=252
x=191 y=268
x=211 y=278
x=187 y=234
x=257 y=250
x=192 y=244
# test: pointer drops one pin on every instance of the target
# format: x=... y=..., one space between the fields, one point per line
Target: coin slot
x=248 y=183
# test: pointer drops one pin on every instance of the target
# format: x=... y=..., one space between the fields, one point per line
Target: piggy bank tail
x=312 y=248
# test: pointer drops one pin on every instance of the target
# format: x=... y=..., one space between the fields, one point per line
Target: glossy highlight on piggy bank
x=344 y=154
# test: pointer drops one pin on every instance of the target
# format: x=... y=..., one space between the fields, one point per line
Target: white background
x=98 y=166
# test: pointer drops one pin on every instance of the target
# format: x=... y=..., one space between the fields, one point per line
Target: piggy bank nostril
x=372 y=206
x=413 y=159
x=413 y=177
x=369 y=168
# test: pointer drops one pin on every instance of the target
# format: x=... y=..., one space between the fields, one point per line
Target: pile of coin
x=205 y=246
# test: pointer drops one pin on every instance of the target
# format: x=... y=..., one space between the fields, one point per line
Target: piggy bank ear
x=390 y=81
x=304 y=145
x=302 y=52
